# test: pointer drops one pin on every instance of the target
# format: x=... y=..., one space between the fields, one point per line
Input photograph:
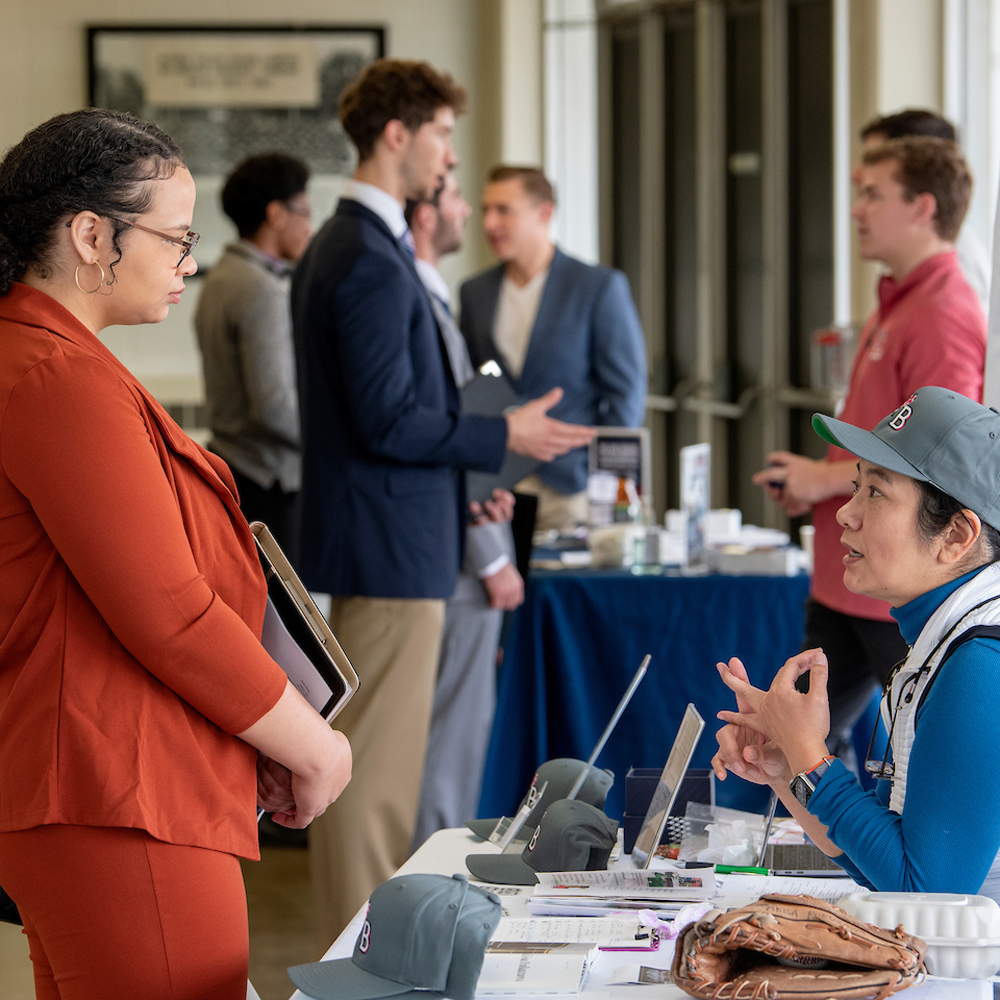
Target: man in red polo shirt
x=928 y=329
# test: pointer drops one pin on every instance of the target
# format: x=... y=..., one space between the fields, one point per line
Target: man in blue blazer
x=549 y=320
x=385 y=447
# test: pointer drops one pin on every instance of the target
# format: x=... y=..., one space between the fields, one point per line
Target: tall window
x=722 y=217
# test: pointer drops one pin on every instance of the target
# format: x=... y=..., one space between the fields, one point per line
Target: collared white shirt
x=433 y=281
x=515 y=319
x=380 y=202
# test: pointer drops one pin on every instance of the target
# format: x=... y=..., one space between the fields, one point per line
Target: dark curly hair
x=258 y=181
x=91 y=160
x=388 y=89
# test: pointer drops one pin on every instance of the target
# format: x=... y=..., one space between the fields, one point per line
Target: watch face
x=801 y=788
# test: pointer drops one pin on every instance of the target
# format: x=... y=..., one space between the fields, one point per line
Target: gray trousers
x=462 y=718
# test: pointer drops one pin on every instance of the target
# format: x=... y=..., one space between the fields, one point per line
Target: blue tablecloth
x=577 y=641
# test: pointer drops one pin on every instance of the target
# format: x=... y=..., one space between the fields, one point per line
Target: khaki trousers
x=361 y=840
x=561 y=511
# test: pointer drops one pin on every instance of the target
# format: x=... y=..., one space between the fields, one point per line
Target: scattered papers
x=513 y=899
x=739 y=890
x=547 y=970
x=607 y=933
x=604 y=892
x=690 y=885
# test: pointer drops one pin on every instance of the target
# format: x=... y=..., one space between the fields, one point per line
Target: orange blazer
x=131 y=602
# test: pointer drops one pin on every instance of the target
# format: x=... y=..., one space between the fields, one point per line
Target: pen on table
x=741 y=870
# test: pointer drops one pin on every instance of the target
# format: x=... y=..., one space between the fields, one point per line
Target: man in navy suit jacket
x=550 y=319
x=385 y=447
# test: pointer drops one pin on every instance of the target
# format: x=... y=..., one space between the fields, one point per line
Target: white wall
x=909 y=71
x=43 y=72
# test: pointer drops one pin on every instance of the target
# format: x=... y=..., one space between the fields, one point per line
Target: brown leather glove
x=794 y=946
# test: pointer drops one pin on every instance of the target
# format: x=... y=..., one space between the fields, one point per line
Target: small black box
x=698 y=785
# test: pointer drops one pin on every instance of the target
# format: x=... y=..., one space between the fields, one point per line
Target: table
x=578 y=639
x=444 y=854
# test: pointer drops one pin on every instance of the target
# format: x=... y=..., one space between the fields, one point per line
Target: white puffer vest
x=974 y=605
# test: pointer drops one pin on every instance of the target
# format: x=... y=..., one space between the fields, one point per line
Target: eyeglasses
x=189 y=242
x=886 y=768
x=299 y=209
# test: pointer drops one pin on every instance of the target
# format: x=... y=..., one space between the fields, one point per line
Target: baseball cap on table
x=938 y=436
x=561 y=774
x=424 y=936
x=572 y=836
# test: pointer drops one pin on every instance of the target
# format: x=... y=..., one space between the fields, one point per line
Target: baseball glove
x=794 y=946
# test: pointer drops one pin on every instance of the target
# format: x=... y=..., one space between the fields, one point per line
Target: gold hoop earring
x=76 y=277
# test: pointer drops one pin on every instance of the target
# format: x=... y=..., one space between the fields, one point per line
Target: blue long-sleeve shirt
x=949 y=832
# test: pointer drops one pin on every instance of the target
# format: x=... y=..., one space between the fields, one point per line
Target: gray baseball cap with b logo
x=560 y=774
x=571 y=837
x=424 y=936
x=938 y=436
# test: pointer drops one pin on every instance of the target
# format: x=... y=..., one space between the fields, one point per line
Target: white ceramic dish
x=962 y=932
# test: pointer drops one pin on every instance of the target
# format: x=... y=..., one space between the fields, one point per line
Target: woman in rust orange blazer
x=140 y=718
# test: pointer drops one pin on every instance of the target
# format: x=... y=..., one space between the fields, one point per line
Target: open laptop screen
x=666 y=789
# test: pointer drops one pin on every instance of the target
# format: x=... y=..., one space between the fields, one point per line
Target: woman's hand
x=745 y=752
x=274 y=785
x=754 y=759
x=308 y=763
x=796 y=724
x=313 y=792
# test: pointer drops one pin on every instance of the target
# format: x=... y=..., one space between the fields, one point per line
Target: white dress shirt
x=380 y=202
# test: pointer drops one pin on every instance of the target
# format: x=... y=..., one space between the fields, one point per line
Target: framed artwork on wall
x=227 y=92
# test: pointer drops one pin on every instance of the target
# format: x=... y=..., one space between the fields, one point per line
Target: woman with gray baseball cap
x=921 y=531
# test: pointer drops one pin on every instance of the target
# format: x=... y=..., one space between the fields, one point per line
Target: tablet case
x=491 y=394
x=307 y=627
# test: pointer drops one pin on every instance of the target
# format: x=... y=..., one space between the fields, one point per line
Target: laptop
x=674 y=770
x=505 y=830
x=802 y=861
x=796 y=860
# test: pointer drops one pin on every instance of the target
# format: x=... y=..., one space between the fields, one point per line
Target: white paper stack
x=605 y=892
x=525 y=969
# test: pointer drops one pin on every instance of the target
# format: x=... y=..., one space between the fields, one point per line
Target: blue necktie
x=406 y=241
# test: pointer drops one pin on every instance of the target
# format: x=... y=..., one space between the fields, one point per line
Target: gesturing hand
x=531 y=432
x=744 y=751
x=796 y=724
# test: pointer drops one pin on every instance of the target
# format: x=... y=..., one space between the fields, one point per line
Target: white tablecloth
x=445 y=852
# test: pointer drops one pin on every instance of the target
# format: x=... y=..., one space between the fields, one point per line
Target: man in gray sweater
x=243 y=321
